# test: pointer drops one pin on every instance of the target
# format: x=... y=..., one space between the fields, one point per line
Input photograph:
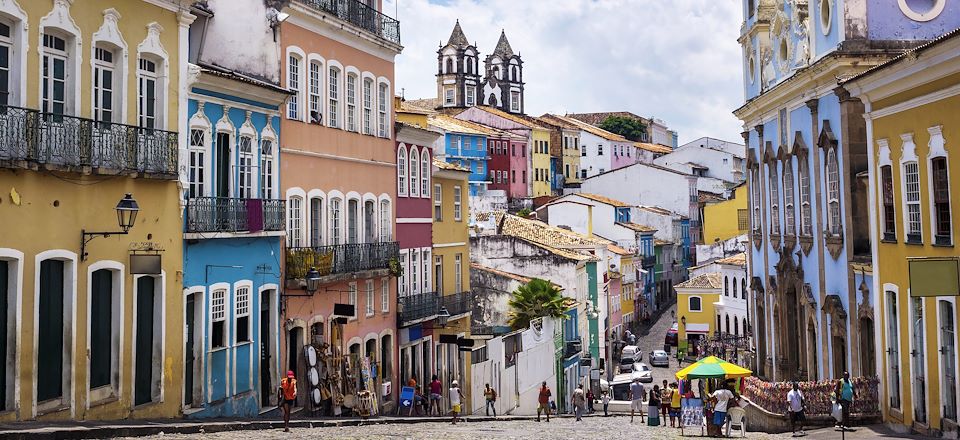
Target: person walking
x=674 y=404
x=665 y=402
x=653 y=414
x=636 y=398
x=543 y=400
x=436 y=388
x=491 y=397
x=722 y=398
x=845 y=394
x=605 y=399
x=796 y=407
x=579 y=401
x=590 y=398
x=456 y=396
x=288 y=397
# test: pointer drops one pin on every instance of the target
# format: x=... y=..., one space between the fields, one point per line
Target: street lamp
x=443 y=316
x=313 y=281
x=127 y=210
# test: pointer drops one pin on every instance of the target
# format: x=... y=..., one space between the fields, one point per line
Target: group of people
x=661 y=402
x=843 y=395
x=432 y=402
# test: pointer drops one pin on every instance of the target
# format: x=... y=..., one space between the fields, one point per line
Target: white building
x=659 y=133
x=731 y=309
x=708 y=157
x=647 y=184
x=601 y=150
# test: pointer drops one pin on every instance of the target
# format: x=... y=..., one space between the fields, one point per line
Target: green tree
x=629 y=128
x=535 y=299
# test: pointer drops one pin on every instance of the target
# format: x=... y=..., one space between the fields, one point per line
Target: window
x=948 y=356
x=893 y=352
x=351 y=102
x=6 y=49
x=471 y=93
x=513 y=176
x=514 y=101
x=911 y=177
x=316 y=221
x=353 y=221
x=402 y=279
x=414 y=172
x=806 y=226
x=195 y=167
x=334 y=221
x=293 y=84
x=774 y=199
x=54 y=69
x=734 y=287
x=369 y=222
x=437 y=207
x=694 y=304
x=316 y=88
x=218 y=319
x=583 y=174
x=756 y=200
x=743 y=219
x=147 y=79
x=102 y=328
x=414 y=271
x=294 y=226
x=599 y=149
x=726 y=286
x=889 y=212
x=243 y=314
x=385 y=295
x=352 y=298
x=833 y=193
x=448 y=96
x=245 y=168
x=367 y=106
x=941 y=200
x=103 y=88
x=425 y=174
x=458 y=273
x=266 y=169
x=425 y=274
x=401 y=171
x=438 y=274
x=524 y=176
x=789 y=215
x=333 y=85
x=370 y=298
x=385 y=223
x=457 y=216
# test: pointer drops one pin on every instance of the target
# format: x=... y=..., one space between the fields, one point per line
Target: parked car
x=631 y=352
x=644 y=372
x=659 y=358
x=626 y=365
x=671 y=337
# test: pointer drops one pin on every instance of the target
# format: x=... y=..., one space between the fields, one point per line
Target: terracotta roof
x=559 y=121
x=657 y=210
x=455 y=125
x=599 y=117
x=603 y=199
x=596 y=131
x=637 y=227
x=428 y=104
x=443 y=165
x=519 y=119
x=557 y=240
x=709 y=197
x=737 y=260
x=656 y=148
x=661 y=242
x=704 y=281
x=409 y=107
x=510 y=275
x=618 y=250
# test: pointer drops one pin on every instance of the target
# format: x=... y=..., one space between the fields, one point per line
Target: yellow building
x=540 y=150
x=410 y=114
x=696 y=309
x=91 y=331
x=911 y=105
x=451 y=269
x=628 y=291
x=728 y=218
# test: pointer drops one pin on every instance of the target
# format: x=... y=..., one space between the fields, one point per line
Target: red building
x=499 y=148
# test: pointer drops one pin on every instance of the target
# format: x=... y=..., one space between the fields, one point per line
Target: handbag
x=837 y=411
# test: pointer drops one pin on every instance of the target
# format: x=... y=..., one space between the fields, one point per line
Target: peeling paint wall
x=239 y=38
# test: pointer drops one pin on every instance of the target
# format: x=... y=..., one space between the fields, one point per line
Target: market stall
x=708 y=371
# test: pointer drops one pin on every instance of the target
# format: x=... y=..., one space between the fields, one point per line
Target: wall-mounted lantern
x=127 y=210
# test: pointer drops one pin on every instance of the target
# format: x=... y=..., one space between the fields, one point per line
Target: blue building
x=233 y=220
x=807 y=161
x=465 y=144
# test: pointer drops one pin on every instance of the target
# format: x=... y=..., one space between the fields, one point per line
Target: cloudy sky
x=677 y=60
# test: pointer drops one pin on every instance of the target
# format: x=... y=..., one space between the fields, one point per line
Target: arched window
x=106 y=82
x=774 y=198
x=789 y=214
x=385 y=229
x=727 y=325
x=940 y=187
x=316 y=221
x=449 y=65
x=293 y=84
x=353 y=221
x=736 y=327
x=402 y=171
x=734 y=287
x=368 y=106
x=316 y=91
x=351 y=102
x=383 y=129
x=806 y=220
x=743 y=288
x=333 y=86
x=414 y=172
x=833 y=194
x=756 y=200
x=295 y=221
x=726 y=286
x=425 y=173
x=334 y=219
x=695 y=304
x=889 y=211
x=745 y=328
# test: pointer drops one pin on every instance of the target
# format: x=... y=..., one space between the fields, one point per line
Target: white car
x=643 y=372
x=659 y=358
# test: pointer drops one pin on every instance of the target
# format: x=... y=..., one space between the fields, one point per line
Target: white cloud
x=677 y=60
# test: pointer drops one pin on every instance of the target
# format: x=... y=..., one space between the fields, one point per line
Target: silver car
x=659 y=358
x=642 y=372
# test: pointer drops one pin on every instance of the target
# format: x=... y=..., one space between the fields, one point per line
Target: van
x=632 y=351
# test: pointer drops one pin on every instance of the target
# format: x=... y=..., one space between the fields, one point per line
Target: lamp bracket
x=86 y=237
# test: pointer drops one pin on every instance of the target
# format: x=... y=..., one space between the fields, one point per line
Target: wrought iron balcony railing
x=340 y=258
x=649 y=261
x=360 y=15
x=228 y=214
x=418 y=307
x=457 y=303
x=29 y=138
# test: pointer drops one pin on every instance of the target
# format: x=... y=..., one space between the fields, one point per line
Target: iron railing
x=418 y=307
x=360 y=15
x=340 y=258
x=29 y=136
x=457 y=303
x=229 y=214
x=649 y=261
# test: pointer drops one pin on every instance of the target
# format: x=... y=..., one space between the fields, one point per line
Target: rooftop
x=599 y=117
x=618 y=250
x=657 y=210
x=410 y=107
x=455 y=125
x=704 y=281
x=594 y=130
x=428 y=104
x=559 y=121
x=557 y=240
x=447 y=166
x=603 y=199
x=655 y=148
x=637 y=227
x=502 y=273
x=524 y=120
x=737 y=260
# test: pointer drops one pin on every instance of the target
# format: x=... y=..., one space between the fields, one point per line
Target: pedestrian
x=455 y=397
x=653 y=414
x=288 y=397
x=722 y=398
x=605 y=398
x=436 y=388
x=674 y=403
x=845 y=394
x=665 y=401
x=491 y=395
x=636 y=398
x=796 y=407
x=579 y=401
x=419 y=402
x=543 y=401
x=412 y=382
x=590 y=401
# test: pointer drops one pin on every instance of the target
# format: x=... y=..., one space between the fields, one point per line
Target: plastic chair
x=736 y=421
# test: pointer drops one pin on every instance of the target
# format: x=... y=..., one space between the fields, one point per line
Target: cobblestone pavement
x=654 y=341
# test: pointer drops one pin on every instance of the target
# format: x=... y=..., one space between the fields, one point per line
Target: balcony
x=228 y=214
x=360 y=15
x=340 y=258
x=572 y=348
x=649 y=261
x=31 y=139
x=418 y=307
x=457 y=303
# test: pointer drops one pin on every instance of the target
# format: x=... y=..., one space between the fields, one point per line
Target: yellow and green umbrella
x=712 y=367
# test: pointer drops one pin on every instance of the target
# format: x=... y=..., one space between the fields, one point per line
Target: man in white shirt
x=636 y=398
x=795 y=402
x=455 y=397
x=722 y=397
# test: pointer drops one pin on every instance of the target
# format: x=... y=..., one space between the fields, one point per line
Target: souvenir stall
x=706 y=375
x=339 y=384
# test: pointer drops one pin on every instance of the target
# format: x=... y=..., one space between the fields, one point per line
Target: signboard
x=934 y=276
x=145 y=264
x=406 y=397
x=448 y=339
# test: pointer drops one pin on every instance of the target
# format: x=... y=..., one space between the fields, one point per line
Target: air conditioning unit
x=316 y=118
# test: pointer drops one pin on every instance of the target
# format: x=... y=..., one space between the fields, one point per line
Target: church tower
x=503 y=85
x=458 y=77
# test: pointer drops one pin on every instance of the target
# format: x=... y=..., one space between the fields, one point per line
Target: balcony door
x=222 y=183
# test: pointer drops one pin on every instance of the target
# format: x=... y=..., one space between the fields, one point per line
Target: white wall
x=642 y=184
x=720 y=164
x=594 y=162
x=229 y=45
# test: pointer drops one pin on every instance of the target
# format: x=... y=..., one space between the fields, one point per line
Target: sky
x=676 y=60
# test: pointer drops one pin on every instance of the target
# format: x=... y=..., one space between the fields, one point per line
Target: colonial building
x=913 y=313
x=339 y=163
x=564 y=149
x=464 y=144
x=91 y=95
x=503 y=83
x=806 y=145
x=458 y=77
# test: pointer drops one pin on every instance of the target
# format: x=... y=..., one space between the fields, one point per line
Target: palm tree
x=536 y=299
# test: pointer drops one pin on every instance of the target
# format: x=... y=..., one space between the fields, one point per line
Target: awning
x=698 y=329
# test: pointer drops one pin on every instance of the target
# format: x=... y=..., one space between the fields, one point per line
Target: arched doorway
x=761 y=339
x=868 y=355
x=813 y=370
x=791 y=347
